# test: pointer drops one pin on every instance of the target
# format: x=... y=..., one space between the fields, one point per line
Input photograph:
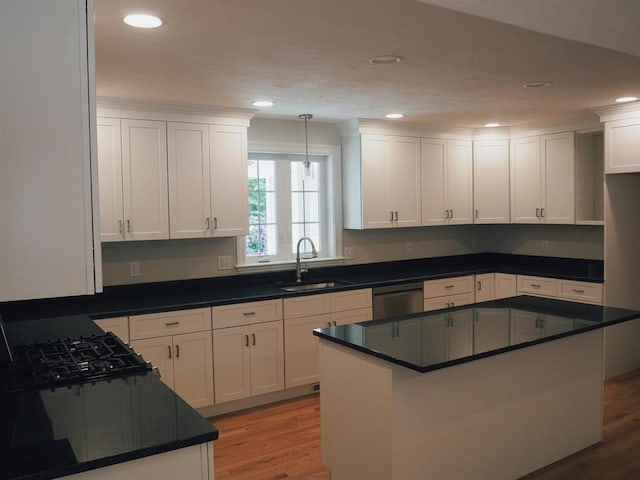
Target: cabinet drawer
x=307 y=305
x=352 y=316
x=448 y=301
x=581 y=291
x=246 y=313
x=541 y=286
x=448 y=286
x=350 y=300
x=169 y=323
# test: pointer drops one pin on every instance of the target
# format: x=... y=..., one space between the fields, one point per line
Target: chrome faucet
x=314 y=254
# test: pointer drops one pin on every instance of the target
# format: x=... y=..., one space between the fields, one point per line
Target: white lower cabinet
x=303 y=314
x=485 y=287
x=573 y=290
x=119 y=326
x=248 y=352
x=448 y=292
x=178 y=344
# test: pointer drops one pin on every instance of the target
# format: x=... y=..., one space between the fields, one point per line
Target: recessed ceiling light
x=394 y=115
x=142 y=20
x=385 y=60
x=492 y=124
x=626 y=99
x=537 y=84
x=263 y=103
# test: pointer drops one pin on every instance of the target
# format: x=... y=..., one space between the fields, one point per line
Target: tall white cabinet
x=447 y=182
x=47 y=136
x=543 y=179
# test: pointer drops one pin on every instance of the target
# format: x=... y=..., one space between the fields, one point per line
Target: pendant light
x=307 y=163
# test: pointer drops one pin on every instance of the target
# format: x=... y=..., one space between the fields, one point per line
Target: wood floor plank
x=282 y=441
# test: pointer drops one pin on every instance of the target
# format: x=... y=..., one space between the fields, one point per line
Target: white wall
x=291 y=131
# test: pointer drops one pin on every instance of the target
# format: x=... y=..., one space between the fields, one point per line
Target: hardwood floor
x=282 y=441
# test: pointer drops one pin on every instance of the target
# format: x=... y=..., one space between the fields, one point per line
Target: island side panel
x=500 y=417
x=355 y=409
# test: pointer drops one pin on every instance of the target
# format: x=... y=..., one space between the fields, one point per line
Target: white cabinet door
x=459 y=182
x=231 y=364
x=432 y=170
x=193 y=368
x=376 y=208
x=229 y=189
x=622 y=144
x=267 y=357
x=404 y=183
x=302 y=352
x=158 y=351
x=559 y=178
x=491 y=181
x=485 y=287
x=144 y=161
x=526 y=180
x=46 y=124
x=189 y=188
x=505 y=285
x=109 y=146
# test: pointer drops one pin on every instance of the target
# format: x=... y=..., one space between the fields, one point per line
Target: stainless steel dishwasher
x=394 y=300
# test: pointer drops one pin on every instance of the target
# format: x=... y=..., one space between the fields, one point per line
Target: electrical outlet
x=350 y=252
x=408 y=248
x=545 y=245
x=224 y=262
x=134 y=269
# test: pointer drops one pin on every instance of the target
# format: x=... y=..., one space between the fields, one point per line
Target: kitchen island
x=493 y=391
x=127 y=426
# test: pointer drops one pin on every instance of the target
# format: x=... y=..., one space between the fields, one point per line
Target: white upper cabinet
x=110 y=179
x=47 y=166
x=446 y=180
x=145 y=189
x=622 y=145
x=189 y=188
x=229 y=190
x=491 y=181
x=386 y=182
x=543 y=179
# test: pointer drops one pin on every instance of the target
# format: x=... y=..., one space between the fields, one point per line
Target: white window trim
x=334 y=214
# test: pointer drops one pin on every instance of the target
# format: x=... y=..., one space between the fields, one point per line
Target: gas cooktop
x=69 y=361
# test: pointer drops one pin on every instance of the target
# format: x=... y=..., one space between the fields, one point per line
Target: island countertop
x=434 y=340
x=49 y=433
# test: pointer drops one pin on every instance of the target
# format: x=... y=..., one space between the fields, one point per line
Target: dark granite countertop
x=440 y=339
x=176 y=295
x=47 y=434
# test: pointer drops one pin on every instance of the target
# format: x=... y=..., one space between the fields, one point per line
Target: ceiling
x=461 y=67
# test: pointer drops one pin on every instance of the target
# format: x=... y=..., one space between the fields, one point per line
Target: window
x=287 y=203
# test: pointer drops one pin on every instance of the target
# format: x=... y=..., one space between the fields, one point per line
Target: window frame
x=333 y=212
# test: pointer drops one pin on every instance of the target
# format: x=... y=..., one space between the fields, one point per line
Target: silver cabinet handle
x=451 y=213
x=397 y=331
x=208 y=224
x=479 y=286
x=171 y=324
x=253 y=338
x=120 y=226
x=335 y=324
x=446 y=214
x=328 y=324
x=534 y=285
x=578 y=290
x=215 y=223
x=537 y=212
x=396 y=216
x=169 y=348
x=128 y=226
x=542 y=212
x=391 y=216
x=177 y=351
x=477 y=213
x=448 y=286
x=248 y=314
x=246 y=340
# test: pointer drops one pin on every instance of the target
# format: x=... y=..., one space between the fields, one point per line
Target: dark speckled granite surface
x=50 y=433
x=435 y=340
x=163 y=296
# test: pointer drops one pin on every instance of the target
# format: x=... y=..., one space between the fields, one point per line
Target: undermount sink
x=302 y=287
